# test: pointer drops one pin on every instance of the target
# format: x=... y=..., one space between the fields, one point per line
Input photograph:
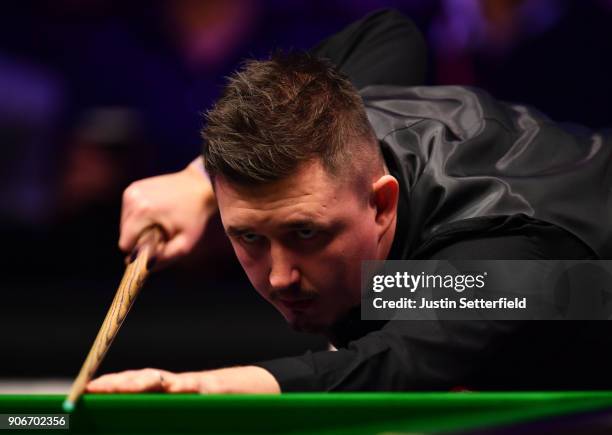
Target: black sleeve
x=383 y=48
x=423 y=355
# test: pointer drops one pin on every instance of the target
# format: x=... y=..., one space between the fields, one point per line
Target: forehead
x=310 y=194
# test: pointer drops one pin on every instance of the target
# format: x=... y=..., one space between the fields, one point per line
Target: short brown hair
x=280 y=112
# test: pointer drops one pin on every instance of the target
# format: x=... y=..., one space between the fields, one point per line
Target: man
x=309 y=182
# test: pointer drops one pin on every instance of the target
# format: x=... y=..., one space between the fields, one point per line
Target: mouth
x=297 y=304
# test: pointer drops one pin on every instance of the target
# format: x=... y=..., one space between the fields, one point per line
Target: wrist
x=196 y=169
x=235 y=380
x=197 y=166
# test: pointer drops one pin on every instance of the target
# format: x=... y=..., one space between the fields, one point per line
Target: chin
x=302 y=323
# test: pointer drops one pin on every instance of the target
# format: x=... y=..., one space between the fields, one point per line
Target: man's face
x=301 y=241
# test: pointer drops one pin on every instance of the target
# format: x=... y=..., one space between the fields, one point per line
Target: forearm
x=403 y=356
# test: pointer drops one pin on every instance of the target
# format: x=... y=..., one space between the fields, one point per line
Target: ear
x=385 y=194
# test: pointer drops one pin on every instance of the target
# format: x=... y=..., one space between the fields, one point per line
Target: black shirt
x=432 y=355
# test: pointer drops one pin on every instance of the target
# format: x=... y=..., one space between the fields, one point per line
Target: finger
x=130 y=230
x=126 y=213
x=159 y=258
x=183 y=383
x=135 y=216
x=129 y=201
x=146 y=380
x=175 y=248
x=104 y=384
x=132 y=381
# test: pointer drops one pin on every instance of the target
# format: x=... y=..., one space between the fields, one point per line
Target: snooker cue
x=134 y=277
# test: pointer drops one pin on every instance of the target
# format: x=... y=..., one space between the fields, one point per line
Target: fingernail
x=151 y=262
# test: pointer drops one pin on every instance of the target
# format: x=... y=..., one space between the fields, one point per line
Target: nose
x=283 y=273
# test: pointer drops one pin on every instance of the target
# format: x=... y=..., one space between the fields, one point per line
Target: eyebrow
x=289 y=225
x=235 y=231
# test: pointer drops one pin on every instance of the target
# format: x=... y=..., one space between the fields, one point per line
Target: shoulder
x=462 y=111
x=384 y=47
x=538 y=242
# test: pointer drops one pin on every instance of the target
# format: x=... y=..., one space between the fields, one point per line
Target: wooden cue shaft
x=134 y=277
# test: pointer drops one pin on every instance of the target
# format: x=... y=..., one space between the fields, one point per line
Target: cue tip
x=68 y=406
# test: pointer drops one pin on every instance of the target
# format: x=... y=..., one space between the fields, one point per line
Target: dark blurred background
x=95 y=94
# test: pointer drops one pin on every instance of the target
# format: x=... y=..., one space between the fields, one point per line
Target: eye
x=306 y=233
x=250 y=238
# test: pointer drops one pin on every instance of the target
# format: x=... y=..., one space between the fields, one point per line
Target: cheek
x=367 y=238
x=339 y=265
x=357 y=246
x=361 y=241
x=254 y=266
